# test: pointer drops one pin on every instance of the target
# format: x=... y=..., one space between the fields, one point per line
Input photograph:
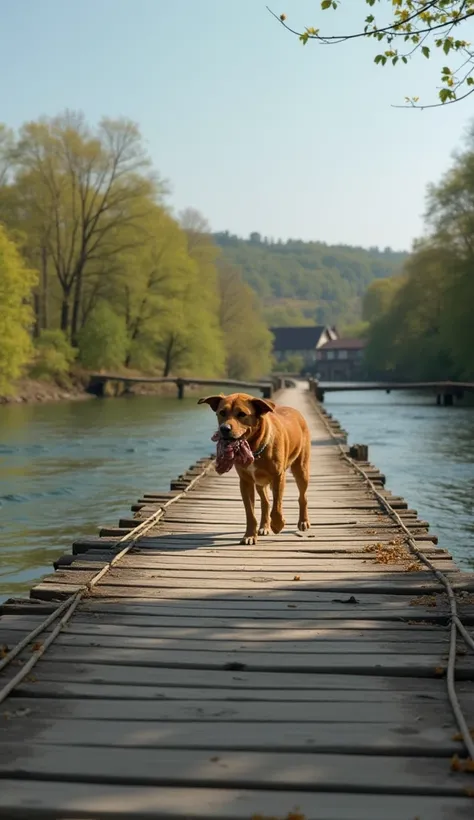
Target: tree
x=6 y=152
x=16 y=316
x=248 y=342
x=103 y=340
x=421 y=323
x=378 y=297
x=414 y=27
x=78 y=190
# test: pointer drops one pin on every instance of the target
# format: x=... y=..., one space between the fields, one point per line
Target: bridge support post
x=359 y=452
x=267 y=391
x=180 y=386
x=438 y=399
x=96 y=387
x=448 y=399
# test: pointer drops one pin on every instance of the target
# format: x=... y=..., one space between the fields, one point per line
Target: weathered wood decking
x=200 y=678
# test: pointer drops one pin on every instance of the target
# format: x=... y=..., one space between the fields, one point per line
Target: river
x=68 y=468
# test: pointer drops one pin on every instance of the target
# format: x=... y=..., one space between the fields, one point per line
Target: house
x=341 y=360
x=301 y=341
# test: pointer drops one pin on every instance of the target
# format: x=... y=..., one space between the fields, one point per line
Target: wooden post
x=96 y=386
x=448 y=399
x=267 y=391
x=438 y=399
x=180 y=386
x=319 y=394
x=359 y=452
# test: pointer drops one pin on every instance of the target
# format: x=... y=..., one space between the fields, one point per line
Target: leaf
x=426 y=52
x=326 y=4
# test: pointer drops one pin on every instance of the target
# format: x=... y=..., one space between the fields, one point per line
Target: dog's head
x=239 y=414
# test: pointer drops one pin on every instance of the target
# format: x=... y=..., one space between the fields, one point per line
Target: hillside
x=308 y=282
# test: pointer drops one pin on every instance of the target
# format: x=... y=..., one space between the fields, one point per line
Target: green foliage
x=378 y=297
x=308 y=282
x=16 y=317
x=247 y=341
x=292 y=363
x=54 y=356
x=422 y=327
x=119 y=277
x=103 y=341
x=414 y=27
x=357 y=331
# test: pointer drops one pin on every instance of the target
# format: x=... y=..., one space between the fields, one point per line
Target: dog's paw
x=304 y=525
x=249 y=540
x=264 y=530
x=278 y=522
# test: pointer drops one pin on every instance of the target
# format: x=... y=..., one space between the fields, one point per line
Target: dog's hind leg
x=264 y=528
x=300 y=470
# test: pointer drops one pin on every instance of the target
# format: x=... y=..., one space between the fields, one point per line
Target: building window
x=342 y=354
x=330 y=354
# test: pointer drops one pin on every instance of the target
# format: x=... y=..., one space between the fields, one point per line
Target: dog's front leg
x=247 y=490
x=278 y=488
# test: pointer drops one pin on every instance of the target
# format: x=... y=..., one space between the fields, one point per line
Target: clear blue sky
x=249 y=127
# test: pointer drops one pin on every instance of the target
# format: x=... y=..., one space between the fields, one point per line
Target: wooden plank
x=240 y=682
x=326 y=645
x=269 y=637
x=49 y=686
x=400 y=582
x=281 y=597
x=281 y=568
x=207 y=711
x=353 y=738
x=371 y=774
x=357 y=663
x=114 y=802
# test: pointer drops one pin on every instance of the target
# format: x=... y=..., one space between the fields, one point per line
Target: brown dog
x=277 y=438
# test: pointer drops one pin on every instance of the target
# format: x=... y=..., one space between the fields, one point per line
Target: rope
x=71 y=603
x=456 y=623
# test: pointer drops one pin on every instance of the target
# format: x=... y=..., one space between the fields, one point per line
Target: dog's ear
x=263 y=406
x=212 y=401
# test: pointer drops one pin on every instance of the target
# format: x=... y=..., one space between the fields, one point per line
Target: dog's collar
x=261 y=449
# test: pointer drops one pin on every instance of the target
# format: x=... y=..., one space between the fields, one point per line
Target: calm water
x=67 y=468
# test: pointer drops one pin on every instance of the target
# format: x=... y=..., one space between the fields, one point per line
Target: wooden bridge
x=445 y=391
x=100 y=383
x=165 y=671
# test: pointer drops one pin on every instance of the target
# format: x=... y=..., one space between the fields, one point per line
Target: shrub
x=54 y=356
x=16 y=316
x=103 y=341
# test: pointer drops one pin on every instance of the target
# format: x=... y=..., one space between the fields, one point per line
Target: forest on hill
x=308 y=282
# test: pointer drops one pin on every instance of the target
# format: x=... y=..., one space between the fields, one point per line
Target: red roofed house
x=301 y=341
x=341 y=360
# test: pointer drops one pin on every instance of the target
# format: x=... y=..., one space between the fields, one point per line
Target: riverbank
x=37 y=391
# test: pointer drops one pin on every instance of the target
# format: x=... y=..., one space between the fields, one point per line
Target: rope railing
x=68 y=607
x=456 y=625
